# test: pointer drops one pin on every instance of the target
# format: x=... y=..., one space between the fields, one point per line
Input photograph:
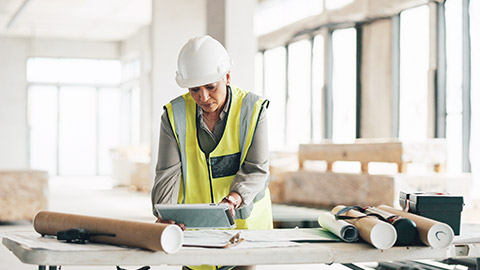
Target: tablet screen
x=197 y=215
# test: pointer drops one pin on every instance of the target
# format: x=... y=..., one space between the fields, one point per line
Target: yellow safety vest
x=206 y=178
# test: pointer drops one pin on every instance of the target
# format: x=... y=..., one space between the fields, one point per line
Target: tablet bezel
x=225 y=223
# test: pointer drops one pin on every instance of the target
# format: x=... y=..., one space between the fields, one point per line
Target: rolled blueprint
x=406 y=228
x=152 y=236
x=379 y=234
x=346 y=231
x=431 y=232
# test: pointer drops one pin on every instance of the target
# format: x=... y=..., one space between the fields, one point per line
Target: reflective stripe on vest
x=225 y=160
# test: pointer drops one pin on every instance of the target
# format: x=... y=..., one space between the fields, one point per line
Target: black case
x=437 y=206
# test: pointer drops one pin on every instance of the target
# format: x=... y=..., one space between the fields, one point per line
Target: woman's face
x=211 y=97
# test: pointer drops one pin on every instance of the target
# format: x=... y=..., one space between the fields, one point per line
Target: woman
x=213 y=140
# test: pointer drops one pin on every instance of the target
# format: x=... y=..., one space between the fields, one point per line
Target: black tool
x=141 y=268
x=79 y=235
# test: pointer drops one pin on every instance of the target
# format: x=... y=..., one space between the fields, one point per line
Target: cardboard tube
x=152 y=236
x=406 y=228
x=346 y=231
x=376 y=232
x=431 y=232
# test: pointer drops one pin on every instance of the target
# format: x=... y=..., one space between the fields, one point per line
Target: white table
x=304 y=253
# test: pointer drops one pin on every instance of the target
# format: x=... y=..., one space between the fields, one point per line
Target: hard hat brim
x=189 y=83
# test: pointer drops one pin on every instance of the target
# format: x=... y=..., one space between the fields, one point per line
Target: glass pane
x=109 y=71
x=272 y=15
x=109 y=102
x=89 y=71
x=258 y=74
x=275 y=92
x=77 y=131
x=131 y=70
x=414 y=53
x=77 y=71
x=135 y=116
x=42 y=70
x=344 y=85
x=299 y=97
x=318 y=81
x=453 y=19
x=42 y=116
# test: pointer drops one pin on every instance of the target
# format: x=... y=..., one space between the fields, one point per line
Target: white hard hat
x=201 y=61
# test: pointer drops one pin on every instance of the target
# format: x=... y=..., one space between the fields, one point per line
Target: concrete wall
x=376 y=80
x=14 y=53
x=13 y=103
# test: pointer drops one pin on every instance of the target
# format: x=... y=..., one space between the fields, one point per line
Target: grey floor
x=94 y=196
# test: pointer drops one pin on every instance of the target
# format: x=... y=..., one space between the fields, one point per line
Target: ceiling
x=101 y=20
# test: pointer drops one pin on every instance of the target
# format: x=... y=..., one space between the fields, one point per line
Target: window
x=131 y=70
x=299 y=93
x=414 y=61
x=453 y=19
x=43 y=127
x=344 y=85
x=317 y=86
x=275 y=92
x=77 y=126
x=272 y=15
x=74 y=114
x=259 y=74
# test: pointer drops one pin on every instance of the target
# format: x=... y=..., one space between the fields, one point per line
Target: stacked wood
x=22 y=194
x=280 y=163
x=327 y=189
x=432 y=151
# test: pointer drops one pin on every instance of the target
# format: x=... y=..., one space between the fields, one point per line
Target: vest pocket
x=225 y=165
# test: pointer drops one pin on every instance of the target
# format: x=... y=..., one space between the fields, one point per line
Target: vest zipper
x=209 y=176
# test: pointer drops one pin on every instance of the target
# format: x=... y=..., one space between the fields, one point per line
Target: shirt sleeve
x=253 y=175
x=168 y=169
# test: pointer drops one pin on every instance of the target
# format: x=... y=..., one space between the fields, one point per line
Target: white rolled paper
x=347 y=232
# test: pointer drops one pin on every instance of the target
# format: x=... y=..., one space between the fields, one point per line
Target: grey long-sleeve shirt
x=249 y=180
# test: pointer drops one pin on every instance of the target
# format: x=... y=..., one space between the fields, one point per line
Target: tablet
x=197 y=216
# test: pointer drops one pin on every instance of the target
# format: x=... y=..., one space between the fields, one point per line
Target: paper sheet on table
x=254 y=238
x=211 y=238
x=297 y=235
x=248 y=244
x=346 y=231
x=219 y=238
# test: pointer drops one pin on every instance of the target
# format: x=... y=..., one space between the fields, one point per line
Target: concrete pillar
x=231 y=23
x=173 y=24
x=376 y=80
x=13 y=103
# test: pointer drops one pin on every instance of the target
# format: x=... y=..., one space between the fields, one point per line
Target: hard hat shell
x=201 y=61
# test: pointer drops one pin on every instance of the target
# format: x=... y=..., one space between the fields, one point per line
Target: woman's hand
x=233 y=200
x=181 y=225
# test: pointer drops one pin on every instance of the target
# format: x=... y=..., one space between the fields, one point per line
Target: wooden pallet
x=432 y=151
